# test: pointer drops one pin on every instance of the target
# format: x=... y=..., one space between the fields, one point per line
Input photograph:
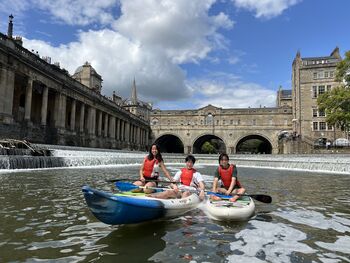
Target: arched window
x=209 y=119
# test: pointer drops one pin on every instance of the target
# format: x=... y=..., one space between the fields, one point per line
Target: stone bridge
x=185 y=131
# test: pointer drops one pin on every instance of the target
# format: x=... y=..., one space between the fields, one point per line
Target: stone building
x=312 y=76
x=42 y=103
x=295 y=117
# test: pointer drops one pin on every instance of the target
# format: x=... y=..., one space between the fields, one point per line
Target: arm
x=233 y=180
x=141 y=172
x=215 y=184
x=165 y=171
x=201 y=193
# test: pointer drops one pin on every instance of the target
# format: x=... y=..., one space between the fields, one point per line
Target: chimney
x=10 y=27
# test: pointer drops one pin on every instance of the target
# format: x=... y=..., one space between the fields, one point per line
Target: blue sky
x=183 y=54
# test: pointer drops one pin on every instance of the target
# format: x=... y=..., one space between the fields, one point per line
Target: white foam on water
x=268 y=242
x=314 y=219
x=342 y=244
x=333 y=258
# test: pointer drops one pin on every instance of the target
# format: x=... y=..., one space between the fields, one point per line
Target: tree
x=207 y=147
x=336 y=102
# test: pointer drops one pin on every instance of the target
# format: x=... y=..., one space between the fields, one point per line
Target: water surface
x=43 y=217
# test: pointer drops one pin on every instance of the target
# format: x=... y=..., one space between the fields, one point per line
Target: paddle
x=146 y=180
x=259 y=197
x=125 y=186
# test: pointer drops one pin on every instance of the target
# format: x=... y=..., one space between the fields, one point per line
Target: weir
x=65 y=156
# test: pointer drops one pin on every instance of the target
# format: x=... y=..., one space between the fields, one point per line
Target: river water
x=43 y=217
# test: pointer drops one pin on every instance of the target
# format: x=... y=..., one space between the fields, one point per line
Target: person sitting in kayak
x=149 y=170
x=191 y=181
x=230 y=185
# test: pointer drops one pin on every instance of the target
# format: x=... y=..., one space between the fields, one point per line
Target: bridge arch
x=214 y=140
x=254 y=144
x=170 y=143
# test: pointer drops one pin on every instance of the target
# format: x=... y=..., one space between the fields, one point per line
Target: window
x=326 y=74
x=330 y=127
x=238 y=122
x=315 y=126
x=320 y=75
x=331 y=74
x=314 y=91
x=322 y=126
x=321 y=90
x=315 y=75
x=209 y=119
x=329 y=87
x=321 y=113
x=314 y=112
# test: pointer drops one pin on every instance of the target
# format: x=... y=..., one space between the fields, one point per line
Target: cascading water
x=64 y=156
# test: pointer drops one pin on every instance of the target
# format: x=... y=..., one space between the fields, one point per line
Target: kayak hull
x=115 y=209
x=230 y=211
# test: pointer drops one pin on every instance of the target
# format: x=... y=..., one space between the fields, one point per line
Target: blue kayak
x=131 y=208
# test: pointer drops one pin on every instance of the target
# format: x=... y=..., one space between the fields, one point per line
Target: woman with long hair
x=150 y=168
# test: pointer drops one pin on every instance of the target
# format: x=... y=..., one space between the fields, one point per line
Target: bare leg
x=240 y=191
x=164 y=195
x=149 y=184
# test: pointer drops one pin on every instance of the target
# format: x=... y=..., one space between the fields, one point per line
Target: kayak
x=131 y=208
x=225 y=210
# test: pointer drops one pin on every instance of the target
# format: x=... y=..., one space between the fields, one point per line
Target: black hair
x=221 y=156
x=190 y=158
x=158 y=155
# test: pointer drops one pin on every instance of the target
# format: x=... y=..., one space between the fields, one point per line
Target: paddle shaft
x=259 y=197
x=146 y=180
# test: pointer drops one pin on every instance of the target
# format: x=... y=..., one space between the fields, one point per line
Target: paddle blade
x=262 y=198
x=125 y=186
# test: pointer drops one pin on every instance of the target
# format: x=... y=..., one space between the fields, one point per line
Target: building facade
x=42 y=103
x=311 y=77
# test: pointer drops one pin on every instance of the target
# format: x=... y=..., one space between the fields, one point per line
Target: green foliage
x=207 y=147
x=336 y=102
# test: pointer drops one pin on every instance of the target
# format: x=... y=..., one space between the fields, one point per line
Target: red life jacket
x=186 y=176
x=148 y=167
x=226 y=176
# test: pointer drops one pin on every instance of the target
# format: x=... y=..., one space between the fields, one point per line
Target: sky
x=183 y=54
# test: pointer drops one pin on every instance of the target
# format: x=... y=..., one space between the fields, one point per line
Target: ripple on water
x=342 y=244
x=268 y=242
x=314 y=219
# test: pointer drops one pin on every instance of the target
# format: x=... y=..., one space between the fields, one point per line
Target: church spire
x=133 y=93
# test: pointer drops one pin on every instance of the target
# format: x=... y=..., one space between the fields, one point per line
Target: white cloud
x=228 y=91
x=149 y=41
x=265 y=8
x=181 y=29
x=119 y=60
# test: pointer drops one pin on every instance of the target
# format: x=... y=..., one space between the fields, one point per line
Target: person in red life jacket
x=150 y=168
x=191 y=181
x=230 y=185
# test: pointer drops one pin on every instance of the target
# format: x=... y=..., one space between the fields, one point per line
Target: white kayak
x=225 y=210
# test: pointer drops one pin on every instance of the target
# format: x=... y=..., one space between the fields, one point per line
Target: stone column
x=44 y=105
x=99 y=126
x=72 y=115
x=112 y=127
x=127 y=132
x=63 y=109
x=146 y=137
x=106 y=126
x=82 y=117
x=7 y=86
x=122 y=132
x=118 y=130
x=28 y=101
x=91 y=120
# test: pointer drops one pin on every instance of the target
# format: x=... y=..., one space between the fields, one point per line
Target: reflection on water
x=43 y=217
